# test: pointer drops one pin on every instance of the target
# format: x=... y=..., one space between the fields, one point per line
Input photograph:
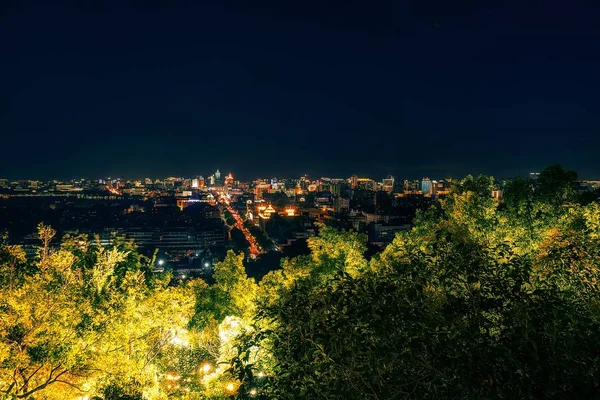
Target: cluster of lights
x=173 y=379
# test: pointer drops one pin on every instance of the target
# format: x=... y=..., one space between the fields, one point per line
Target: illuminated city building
x=497 y=194
x=229 y=180
x=426 y=186
x=195 y=183
x=365 y=184
x=388 y=184
x=265 y=212
x=260 y=187
x=304 y=182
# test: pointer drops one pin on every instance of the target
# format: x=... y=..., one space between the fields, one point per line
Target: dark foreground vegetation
x=479 y=300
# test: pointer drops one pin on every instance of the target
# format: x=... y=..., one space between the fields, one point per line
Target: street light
x=161 y=262
x=206 y=265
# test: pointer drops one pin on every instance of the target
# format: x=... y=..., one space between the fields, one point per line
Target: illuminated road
x=113 y=191
x=254 y=249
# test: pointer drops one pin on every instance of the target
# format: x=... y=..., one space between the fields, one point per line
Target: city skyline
x=317 y=177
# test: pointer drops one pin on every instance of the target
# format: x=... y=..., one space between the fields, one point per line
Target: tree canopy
x=478 y=300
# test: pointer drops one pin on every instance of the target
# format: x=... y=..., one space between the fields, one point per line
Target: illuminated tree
x=73 y=327
x=334 y=250
x=474 y=302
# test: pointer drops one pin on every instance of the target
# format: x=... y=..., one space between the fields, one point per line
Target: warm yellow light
x=230 y=387
x=206 y=368
x=171 y=377
x=253 y=392
x=260 y=374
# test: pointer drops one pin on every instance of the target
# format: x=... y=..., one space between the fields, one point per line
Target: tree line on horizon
x=478 y=300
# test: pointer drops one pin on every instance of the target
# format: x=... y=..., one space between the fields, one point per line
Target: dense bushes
x=475 y=302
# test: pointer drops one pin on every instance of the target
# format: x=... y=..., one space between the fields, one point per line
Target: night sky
x=412 y=88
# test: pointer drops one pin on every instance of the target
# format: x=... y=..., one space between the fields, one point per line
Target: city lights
x=393 y=230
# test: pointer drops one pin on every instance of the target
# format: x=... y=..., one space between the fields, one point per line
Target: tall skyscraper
x=426 y=186
x=353 y=181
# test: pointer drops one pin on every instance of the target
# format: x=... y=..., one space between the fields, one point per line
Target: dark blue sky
x=412 y=88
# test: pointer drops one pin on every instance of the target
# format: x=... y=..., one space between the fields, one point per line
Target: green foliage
x=557 y=185
x=81 y=316
x=334 y=250
x=477 y=301
x=130 y=390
